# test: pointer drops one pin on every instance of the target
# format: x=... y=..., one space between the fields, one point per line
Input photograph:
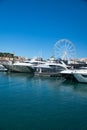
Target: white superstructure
x=79 y=74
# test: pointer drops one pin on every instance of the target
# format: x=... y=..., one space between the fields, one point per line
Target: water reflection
x=20 y=75
x=76 y=87
x=49 y=82
x=16 y=80
x=60 y=84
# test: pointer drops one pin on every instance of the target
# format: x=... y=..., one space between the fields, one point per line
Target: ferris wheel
x=64 y=49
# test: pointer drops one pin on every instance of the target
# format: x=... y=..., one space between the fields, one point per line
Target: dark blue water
x=33 y=103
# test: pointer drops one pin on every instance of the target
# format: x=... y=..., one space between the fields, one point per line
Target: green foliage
x=10 y=55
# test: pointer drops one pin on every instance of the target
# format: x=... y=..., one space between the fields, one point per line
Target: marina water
x=34 y=103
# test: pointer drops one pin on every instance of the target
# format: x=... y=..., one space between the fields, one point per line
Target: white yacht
x=28 y=66
x=49 y=68
x=37 y=66
x=19 y=67
x=79 y=75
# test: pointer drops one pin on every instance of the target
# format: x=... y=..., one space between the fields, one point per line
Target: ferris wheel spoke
x=64 y=49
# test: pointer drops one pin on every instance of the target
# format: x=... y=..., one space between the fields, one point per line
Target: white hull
x=19 y=68
x=80 y=78
x=79 y=75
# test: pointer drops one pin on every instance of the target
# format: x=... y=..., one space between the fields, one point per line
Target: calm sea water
x=33 y=103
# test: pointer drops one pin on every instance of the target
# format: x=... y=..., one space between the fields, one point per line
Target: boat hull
x=76 y=75
x=80 y=78
x=19 y=68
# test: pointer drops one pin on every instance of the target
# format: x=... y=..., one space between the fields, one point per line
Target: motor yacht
x=49 y=68
x=79 y=75
x=19 y=67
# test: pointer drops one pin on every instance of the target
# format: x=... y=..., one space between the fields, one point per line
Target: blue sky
x=31 y=27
